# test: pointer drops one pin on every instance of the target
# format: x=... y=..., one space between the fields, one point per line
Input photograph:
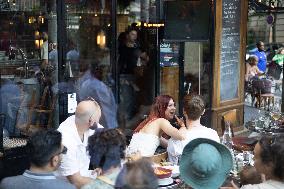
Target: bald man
x=75 y=133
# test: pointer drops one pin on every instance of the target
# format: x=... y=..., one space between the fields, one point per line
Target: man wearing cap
x=205 y=164
x=75 y=133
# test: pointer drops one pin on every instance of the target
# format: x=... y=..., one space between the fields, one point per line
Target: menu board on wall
x=230 y=50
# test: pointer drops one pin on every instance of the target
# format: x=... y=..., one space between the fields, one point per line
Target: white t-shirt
x=77 y=158
x=269 y=184
x=175 y=147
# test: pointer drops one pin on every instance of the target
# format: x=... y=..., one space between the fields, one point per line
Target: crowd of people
x=81 y=153
x=257 y=63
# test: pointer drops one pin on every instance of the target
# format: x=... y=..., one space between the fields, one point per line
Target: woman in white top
x=147 y=135
x=268 y=161
x=194 y=108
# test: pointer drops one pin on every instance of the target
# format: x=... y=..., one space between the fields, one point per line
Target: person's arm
x=247 y=72
x=70 y=167
x=276 y=57
x=163 y=142
x=79 y=180
x=177 y=134
x=259 y=72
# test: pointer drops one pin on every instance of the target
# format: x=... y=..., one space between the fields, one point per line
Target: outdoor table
x=174 y=185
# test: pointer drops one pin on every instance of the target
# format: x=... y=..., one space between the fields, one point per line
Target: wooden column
x=229 y=60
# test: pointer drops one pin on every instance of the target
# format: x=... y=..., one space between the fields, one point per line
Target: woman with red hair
x=147 y=135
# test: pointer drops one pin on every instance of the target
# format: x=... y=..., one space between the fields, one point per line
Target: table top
x=271 y=123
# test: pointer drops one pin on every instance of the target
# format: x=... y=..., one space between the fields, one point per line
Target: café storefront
x=48 y=47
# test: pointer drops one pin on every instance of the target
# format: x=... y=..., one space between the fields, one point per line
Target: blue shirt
x=103 y=95
x=30 y=180
x=261 y=60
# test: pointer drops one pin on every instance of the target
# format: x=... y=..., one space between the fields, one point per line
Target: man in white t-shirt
x=194 y=108
x=75 y=133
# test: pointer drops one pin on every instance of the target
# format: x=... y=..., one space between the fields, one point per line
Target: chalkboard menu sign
x=230 y=49
x=4 y=5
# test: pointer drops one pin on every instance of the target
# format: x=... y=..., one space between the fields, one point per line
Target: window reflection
x=137 y=60
x=28 y=64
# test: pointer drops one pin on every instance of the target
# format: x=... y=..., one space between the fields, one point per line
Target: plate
x=175 y=170
x=165 y=181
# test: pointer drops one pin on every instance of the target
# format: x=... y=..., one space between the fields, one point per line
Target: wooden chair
x=266 y=99
x=263 y=98
x=41 y=109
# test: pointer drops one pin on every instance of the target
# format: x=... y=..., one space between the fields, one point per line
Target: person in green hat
x=205 y=164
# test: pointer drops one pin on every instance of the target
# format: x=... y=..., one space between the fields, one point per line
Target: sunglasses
x=63 y=151
x=89 y=98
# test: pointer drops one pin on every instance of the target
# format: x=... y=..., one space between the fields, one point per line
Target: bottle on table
x=227 y=141
x=227 y=136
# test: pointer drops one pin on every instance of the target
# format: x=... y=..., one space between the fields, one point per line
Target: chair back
x=262 y=86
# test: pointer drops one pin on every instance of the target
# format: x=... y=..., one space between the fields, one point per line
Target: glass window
x=87 y=67
x=137 y=50
x=28 y=64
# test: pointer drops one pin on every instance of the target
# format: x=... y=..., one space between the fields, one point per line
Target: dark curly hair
x=272 y=151
x=106 y=148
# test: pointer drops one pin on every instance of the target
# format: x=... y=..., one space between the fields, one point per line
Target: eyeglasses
x=64 y=150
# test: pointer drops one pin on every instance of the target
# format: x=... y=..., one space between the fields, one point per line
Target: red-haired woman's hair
x=157 y=110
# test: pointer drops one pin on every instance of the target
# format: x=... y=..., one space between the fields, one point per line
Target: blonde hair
x=252 y=59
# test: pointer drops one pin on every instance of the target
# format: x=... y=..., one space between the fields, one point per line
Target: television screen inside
x=187 y=20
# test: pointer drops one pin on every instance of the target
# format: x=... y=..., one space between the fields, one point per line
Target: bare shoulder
x=162 y=120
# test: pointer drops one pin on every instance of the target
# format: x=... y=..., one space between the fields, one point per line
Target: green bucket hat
x=205 y=164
